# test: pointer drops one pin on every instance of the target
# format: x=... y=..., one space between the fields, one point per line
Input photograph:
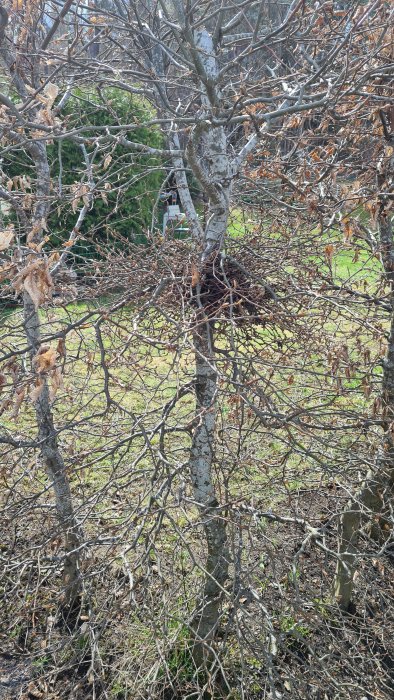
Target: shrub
x=126 y=183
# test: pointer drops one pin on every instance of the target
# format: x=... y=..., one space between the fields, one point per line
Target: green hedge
x=126 y=208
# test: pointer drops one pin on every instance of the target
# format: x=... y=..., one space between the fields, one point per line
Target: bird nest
x=225 y=289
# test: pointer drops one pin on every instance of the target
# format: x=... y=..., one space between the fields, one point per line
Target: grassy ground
x=143 y=374
x=130 y=482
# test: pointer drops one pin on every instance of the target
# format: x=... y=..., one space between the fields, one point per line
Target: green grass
x=113 y=484
x=145 y=375
x=351 y=262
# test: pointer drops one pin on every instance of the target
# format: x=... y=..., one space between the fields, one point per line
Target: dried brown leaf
x=56 y=382
x=37 y=229
x=51 y=91
x=329 y=251
x=195 y=275
x=35 y=279
x=19 y=396
x=35 y=393
x=61 y=347
x=107 y=161
x=6 y=272
x=79 y=191
x=6 y=237
x=45 y=359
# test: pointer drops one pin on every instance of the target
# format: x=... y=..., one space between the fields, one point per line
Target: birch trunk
x=201 y=458
x=207 y=157
x=213 y=169
x=202 y=453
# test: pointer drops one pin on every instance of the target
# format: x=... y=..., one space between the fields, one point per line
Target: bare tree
x=33 y=278
x=373 y=502
x=196 y=67
x=216 y=378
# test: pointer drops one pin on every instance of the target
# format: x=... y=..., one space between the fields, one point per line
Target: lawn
x=126 y=449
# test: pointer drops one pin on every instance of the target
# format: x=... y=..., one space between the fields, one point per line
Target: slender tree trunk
x=373 y=499
x=33 y=230
x=55 y=467
x=202 y=453
x=49 y=447
x=207 y=157
x=368 y=503
x=212 y=170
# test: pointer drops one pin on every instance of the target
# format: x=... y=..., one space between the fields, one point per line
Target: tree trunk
x=202 y=453
x=55 y=467
x=33 y=230
x=373 y=499
x=207 y=156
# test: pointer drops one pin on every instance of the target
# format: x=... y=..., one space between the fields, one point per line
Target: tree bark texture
x=375 y=495
x=33 y=228
x=54 y=466
x=49 y=447
x=207 y=614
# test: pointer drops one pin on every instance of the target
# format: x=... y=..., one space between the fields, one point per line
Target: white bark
x=202 y=454
x=207 y=157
